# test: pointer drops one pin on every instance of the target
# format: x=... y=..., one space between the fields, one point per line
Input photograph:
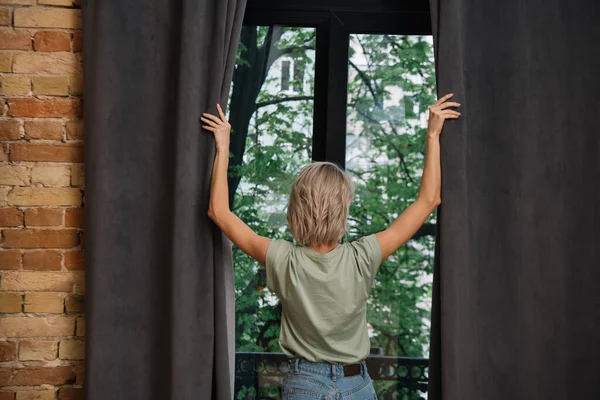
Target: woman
x=322 y=284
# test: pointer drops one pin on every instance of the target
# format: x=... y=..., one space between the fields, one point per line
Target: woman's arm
x=233 y=227
x=407 y=224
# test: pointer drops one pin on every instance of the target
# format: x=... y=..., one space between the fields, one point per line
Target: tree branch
x=394 y=147
x=282 y=100
x=366 y=81
x=369 y=65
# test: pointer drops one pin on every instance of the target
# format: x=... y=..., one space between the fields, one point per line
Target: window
x=390 y=86
x=333 y=81
x=298 y=79
x=271 y=140
x=285 y=75
x=299 y=76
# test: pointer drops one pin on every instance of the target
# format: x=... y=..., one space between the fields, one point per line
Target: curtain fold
x=160 y=300
x=516 y=308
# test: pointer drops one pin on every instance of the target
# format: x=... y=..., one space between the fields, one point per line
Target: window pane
x=299 y=70
x=285 y=75
x=271 y=109
x=391 y=84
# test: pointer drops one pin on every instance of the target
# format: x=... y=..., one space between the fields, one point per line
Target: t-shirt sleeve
x=368 y=257
x=276 y=263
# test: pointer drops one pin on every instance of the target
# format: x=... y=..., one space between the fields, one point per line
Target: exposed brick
x=76 y=85
x=18 y=2
x=14 y=40
x=27 y=196
x=4 y=195
x=5 y=62
x=51 y=85
x=63 y=3
x=11 y=85
x=75 y=303
x=5 y=16
x=74 y=260
x=71 y=349
x=44 y=303
x=43 y=216
x=8 y=351
x=79 y=287
x=74 y=217
x=47 y=108
x=10 y=259
x=33 y=350
x=77 y=175
x=80 y=326
x=52 y=41
x=79 y=371
x=46 y=394
x=47 y=18
x=45 y=152
x=5 y=375
x=40 y=281
x=77 y=42
x=40 y=238
x=43 y=129
x=47 y=63
x=42 y=260
x=37 y=376
x=74 y=130
x=51 y=175
x=9 y=130
x=7 y=395
x=69 y=394
x=16 y=175
x=10 y=302
x=3 y=152
x=11 y=217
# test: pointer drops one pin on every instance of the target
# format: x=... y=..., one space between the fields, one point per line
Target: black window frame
x=335 y=21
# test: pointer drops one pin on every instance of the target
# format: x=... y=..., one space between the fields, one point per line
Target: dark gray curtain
x=517 y=284
x=159 y=274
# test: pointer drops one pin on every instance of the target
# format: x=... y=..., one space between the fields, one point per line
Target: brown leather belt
x=351 y=369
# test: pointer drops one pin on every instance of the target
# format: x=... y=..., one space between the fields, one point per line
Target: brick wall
x=41 y=193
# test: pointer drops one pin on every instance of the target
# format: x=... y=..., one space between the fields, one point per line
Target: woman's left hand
x=439 y=112
x=219 y=127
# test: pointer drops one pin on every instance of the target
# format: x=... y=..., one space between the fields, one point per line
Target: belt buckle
x=352 y=370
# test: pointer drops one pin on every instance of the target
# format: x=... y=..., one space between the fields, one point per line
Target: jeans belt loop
x=333 y=371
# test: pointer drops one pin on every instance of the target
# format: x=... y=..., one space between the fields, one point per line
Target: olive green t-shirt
x=324 y=298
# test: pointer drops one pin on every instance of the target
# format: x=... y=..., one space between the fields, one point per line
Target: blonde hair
x=319 y=204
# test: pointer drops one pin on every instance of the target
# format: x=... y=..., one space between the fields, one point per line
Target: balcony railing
x=258 y=376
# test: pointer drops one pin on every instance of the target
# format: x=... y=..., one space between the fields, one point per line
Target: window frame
x=335 y=21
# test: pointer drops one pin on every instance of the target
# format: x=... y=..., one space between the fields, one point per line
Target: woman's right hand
x=219 y=127
x=439 y=112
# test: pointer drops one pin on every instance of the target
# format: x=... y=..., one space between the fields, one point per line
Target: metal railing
x=258 y=376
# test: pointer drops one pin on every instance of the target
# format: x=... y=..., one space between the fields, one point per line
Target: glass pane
x=391 y=84
x=271 y=109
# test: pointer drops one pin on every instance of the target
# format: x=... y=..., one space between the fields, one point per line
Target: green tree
x=271 y=141
x=388 y=176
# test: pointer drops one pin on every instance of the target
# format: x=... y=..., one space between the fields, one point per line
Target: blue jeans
x=307 y=380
